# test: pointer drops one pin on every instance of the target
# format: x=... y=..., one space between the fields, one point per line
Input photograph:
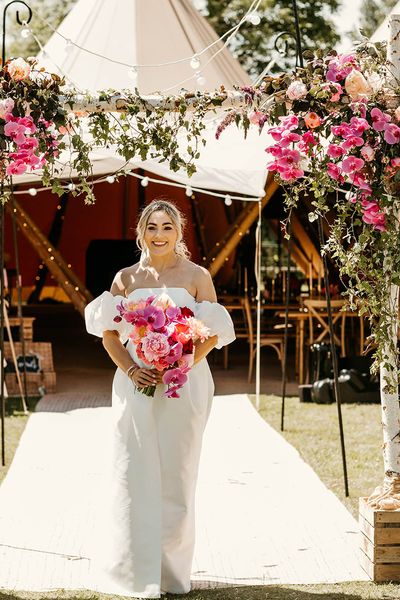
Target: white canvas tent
x=153 y=32
x=381 y=34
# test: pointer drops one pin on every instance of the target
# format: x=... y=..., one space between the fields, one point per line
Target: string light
x=110 y=179
x=145 y=182
x=228 y=200
x=195 y=62
x=254 y=18
x=25 y=31
x=71 y=187
x=200 y=79
x=32 y=191
x=188 y=191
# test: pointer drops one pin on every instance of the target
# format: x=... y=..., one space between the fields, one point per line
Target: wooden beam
x=243 y=221
x=53 y=260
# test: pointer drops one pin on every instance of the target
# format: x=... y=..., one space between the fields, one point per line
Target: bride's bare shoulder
x=203 y=283
x=124 y=279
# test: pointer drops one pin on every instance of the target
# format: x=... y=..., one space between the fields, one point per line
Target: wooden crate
x=45 y=378
x=379 y=542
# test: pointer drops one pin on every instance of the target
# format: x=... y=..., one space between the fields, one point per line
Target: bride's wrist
x=132 y=370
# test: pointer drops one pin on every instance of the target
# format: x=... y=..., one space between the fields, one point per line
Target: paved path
x=263 y=516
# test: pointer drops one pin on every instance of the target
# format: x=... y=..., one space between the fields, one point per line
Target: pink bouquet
x=164 y=336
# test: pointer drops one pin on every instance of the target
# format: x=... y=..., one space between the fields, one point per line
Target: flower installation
x=164 y=336
x=335 y=150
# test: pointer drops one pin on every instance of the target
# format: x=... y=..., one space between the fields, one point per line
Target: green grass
x=313 y=430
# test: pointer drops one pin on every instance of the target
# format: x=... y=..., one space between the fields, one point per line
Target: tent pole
x=258 y=278
x=285 y=343
x=336 y=386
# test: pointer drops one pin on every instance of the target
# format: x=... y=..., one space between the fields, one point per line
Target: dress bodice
x=100 y=312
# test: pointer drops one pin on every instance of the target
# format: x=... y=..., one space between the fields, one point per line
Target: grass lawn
x=313 y=430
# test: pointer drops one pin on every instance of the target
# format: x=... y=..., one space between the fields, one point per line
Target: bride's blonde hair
x=178 y=222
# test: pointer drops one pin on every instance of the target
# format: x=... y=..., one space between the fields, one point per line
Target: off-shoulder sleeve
x=219 y=321
x=100 y=313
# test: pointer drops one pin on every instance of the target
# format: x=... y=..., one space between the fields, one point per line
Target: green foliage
x=253 y=45
x=372 y=14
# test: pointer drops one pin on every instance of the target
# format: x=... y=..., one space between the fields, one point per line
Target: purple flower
x=154 y=316
x=175 y=377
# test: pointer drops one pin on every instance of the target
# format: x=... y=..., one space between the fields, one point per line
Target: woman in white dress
x=156 y=440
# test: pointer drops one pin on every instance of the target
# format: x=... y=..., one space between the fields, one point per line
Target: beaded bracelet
x=131 y=370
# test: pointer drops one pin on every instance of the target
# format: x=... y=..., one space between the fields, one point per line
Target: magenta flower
x=18 y=167
x=379 y=119
x=352 y=141
x=392 y=133
x=342 y=130
x=359 y=125
x=334 y=171
x=175 y=377
x=340 y=66
x=290 y=122
x=174 y=353
x=154 y=316
x=15 y=131
x=288 y=137
x=359 y=181
x=351 y=164
x=291 y=174
x=335 y=151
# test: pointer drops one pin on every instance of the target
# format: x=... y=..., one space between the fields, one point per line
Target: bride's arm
x=117 y=351
x=205 y=291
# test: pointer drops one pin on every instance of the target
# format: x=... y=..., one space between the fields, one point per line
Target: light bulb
x=195 y=62
x=110 y=179
x=133 y=74
x=68 y=45
x=71 y=187
x=145 y=182
x=188 y=191
x=32 y=192
x=201 y=80
x=228 y=200
x=25 y=32
x=254 y=18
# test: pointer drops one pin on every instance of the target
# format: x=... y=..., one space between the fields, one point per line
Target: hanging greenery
x=38 y=124
x=336 y=134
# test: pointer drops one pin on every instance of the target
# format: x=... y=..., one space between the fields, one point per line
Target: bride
x=156 y=441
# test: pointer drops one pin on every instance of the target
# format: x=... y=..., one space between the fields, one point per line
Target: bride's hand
x=143 y=377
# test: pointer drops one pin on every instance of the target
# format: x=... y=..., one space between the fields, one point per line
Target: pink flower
x=290 y=122
x=312 y=120
x=29 y=144
x=397 y=113
x=359 y=125
x=6 y=106
x=198 y=329
x=372 y=215
x=288 y=137
x=392 y=133
x=379 y=119
x=339 y=91
x=176 y=377
x=342 y=130
x=255 y=117
x=335 y=151
x=175 y=353
x=18 y=69
x=352 y=141
x=367 y=152
x=359 y=181
x=15 y=132
x=154 y=316
x=333 y=171
x=291 y=174
x=16 y=168
x=395 y=162
x=296 y=90
x=352 y=163
x=154 y=346
x=340 y=66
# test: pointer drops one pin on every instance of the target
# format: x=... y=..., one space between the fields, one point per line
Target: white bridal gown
x=146 y=539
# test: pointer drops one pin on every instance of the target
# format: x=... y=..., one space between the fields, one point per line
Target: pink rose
x=367 y=152
x=18 y=69
x=357 y=86
x=6 y=106
x=154 y=346
x=296 y=90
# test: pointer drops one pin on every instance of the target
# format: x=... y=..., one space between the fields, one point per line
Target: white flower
x=296 y=90
x=6 y=106
x=357 y=86
x=18 y=69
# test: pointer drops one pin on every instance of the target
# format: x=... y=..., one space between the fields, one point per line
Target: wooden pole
x=235 y=233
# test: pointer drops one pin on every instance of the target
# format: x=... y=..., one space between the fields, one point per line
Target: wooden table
x=300 y=317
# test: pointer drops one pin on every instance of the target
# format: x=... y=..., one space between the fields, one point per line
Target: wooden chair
x=234 y=305
x=319 y=324
x=275 y=340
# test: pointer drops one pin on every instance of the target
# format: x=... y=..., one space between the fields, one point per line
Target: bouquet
x=164 y=336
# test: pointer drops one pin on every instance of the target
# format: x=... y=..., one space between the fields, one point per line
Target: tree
x=47 y=15
x=254 y=44
x=372 y=14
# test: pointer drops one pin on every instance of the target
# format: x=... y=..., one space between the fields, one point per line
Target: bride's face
x=160 y=235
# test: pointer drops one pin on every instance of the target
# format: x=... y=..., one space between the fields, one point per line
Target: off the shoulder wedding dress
x=146 y=539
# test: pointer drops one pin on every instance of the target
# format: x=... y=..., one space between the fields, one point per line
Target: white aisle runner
x=263 y=516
